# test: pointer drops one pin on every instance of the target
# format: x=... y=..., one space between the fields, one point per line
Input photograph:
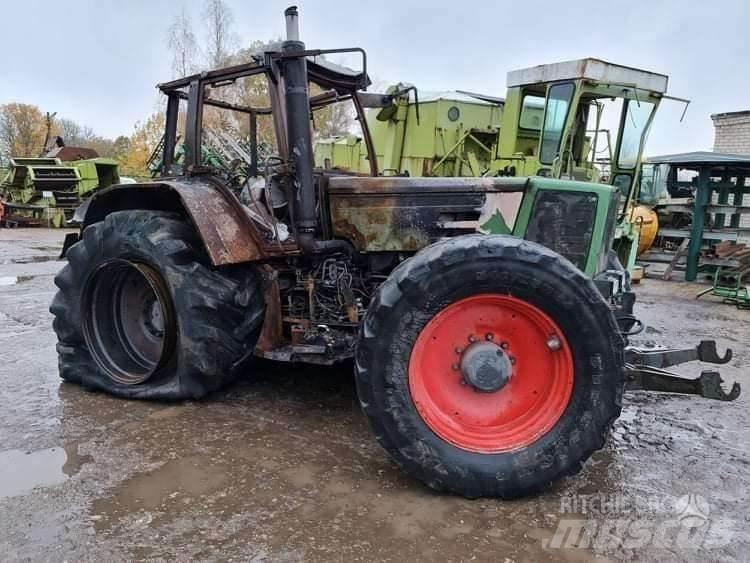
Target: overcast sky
x=97 y=61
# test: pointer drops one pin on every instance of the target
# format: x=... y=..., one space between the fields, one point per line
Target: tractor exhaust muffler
x=299 y=137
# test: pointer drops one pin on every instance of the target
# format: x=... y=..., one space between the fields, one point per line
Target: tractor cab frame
x=338 y=84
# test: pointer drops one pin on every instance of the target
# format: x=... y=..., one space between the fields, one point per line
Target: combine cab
x=486 y=364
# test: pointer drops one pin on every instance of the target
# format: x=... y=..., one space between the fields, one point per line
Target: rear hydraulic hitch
x=643 y=366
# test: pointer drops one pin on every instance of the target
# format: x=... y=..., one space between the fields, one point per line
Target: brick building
x=732 y=132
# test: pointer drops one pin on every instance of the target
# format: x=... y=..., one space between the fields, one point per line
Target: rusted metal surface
x=298 y=334
x=67 y=153
x=407 y=214
x=372 y=157
x=405 y=185
x=271 y=335
x=229 y=235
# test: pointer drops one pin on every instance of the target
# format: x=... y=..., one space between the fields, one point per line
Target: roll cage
x=337 y=82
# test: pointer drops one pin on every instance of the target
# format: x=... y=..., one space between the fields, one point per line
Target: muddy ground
x=282 y=466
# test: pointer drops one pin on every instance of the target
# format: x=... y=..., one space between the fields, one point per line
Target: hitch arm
x=643 y=365
x=708 y=385
x=662 y=358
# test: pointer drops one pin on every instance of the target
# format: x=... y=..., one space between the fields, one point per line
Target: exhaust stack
x=292 y=23
x=299 y=137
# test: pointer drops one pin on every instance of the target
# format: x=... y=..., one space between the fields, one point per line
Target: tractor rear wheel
x=141 y=314
x=489 y=366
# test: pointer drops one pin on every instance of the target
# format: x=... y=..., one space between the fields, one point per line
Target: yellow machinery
x=646 y=222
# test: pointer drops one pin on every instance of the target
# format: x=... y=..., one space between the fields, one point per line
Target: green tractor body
x=398 y=214
x=487 y=317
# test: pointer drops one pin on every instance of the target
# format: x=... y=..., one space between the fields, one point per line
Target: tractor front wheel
x=489 y=366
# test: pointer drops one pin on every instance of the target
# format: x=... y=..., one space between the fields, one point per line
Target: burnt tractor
x=487 y=364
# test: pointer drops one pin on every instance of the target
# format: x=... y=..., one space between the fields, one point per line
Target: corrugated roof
x=730 y=114
x=591 y=69
x=701 y=157
x=455 y=96
x=484 y=97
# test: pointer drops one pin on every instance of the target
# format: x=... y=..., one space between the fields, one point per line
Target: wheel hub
x=128 y=321
x=152 y=317
x=491 y=373
x=486 y=367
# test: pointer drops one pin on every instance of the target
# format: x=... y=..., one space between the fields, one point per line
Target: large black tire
x=444 y=273
x=216 y=313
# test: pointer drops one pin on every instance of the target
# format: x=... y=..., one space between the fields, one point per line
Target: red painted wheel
x=491 y=373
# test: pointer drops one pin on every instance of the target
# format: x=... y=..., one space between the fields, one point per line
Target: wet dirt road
x=282 y=466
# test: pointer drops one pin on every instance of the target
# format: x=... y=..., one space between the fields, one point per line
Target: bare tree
x=336 y=119
x=69 y=130
x=8 y=136
x=183 y=44
x=220 y=39
x=87 y=134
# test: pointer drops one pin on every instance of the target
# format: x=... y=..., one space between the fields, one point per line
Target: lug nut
x=504 y=345
x=472 y=338
x=512 y=360
x=454 y=367
x=490 y=336
x=459 y=350
x=553 y=343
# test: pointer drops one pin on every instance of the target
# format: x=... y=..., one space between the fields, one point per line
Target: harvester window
x=636 y=119
x=532 y=112
x=653 y=185
x=558 y=104
x=602 y=126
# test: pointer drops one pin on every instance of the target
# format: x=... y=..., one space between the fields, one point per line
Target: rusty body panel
x=271 y=335
x=229 y=235
x=399 y=214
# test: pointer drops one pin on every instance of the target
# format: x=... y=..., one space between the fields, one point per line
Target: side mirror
x=372 y=100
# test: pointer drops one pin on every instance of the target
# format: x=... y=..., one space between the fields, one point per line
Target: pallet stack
x=736 y=252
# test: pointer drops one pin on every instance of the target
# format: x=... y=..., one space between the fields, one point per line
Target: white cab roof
x=590 y=69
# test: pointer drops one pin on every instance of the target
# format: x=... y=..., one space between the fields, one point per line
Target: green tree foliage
x=140 y=145
x=23 y=127
x=22 y=130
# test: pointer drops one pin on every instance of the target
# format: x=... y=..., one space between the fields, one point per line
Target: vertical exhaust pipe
x=292 y=23
x=299 y=137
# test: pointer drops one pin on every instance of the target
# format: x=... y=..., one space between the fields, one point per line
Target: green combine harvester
x=45 y=191
x=584 y=120
x=445 y=134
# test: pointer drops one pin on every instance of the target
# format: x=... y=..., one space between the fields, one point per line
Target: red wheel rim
x=519 y=413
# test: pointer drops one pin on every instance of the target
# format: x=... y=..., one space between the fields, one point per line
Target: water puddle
x=13 y=280
x=21 y=472
x=34 y=259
